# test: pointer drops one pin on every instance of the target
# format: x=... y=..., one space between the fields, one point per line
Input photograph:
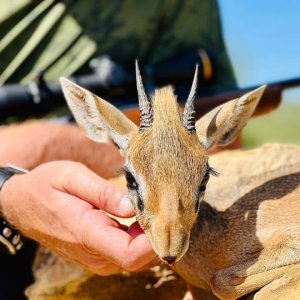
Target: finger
x=104 y=236
x=130 y=253
x=83 y=183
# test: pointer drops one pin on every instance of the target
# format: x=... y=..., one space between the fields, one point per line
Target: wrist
x=6 y=176
x=7 y=195
x=10 y=239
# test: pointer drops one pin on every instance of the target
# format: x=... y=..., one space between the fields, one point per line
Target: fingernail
x=125 y=206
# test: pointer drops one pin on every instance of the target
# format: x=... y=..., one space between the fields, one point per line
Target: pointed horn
x=146 y=116
x=188 y=116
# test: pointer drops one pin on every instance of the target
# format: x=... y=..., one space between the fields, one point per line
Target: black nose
x=169 y=259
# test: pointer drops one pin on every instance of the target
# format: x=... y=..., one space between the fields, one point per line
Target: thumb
x=112 y=199
x=88 y=186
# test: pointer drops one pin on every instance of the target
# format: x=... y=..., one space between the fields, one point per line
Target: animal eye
x=209 y=171
x=202 y=188
x=131 y=183
x=203 y=184
x=205 y=179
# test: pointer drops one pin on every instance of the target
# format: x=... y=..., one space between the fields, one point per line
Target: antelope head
x=166 y=164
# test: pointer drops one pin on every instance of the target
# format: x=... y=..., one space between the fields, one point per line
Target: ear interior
x=223 y=123
x=101 y=121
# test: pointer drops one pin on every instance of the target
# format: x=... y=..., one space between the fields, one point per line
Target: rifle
x=108 y=79
x=270 y=99
x=39 y=97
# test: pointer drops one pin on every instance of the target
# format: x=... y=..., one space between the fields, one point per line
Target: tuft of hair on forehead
x=165 y=108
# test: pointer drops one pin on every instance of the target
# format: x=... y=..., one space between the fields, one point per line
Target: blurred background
x=238 y=45
x=262 y=40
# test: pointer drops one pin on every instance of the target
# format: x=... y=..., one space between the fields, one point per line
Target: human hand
x=59 y=204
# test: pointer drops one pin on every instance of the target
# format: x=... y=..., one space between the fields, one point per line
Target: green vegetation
x=281 y=125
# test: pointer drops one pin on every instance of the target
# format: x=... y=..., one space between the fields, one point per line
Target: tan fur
x=248 y=225
x=167 y=160
x=233 y=250
x=177 y=159
x=236 y=247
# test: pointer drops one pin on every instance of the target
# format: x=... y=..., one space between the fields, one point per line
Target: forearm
x=32 y=143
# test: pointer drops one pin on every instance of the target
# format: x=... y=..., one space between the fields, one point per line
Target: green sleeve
x=60 y=37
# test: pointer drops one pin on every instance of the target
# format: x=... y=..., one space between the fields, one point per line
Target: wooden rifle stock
x=269 y=101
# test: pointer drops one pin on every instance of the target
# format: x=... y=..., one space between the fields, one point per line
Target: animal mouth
x=170 y=260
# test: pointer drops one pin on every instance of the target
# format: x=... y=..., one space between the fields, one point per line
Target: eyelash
x=212 y=171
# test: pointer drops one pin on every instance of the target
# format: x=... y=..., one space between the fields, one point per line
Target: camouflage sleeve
x=60 y=37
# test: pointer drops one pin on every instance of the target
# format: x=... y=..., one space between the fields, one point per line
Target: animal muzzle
x=169 y=242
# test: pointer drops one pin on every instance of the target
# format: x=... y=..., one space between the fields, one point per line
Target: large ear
x=222 y=124
x=101 y=121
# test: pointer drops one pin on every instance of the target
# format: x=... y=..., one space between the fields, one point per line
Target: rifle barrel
x=269 y=101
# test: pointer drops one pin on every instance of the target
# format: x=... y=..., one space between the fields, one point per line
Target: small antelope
x=167 y=171
x=166 y=157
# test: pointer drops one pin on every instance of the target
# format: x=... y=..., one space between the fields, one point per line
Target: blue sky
x=263 y=41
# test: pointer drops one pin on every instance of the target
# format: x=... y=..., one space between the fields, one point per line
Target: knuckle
x=86 y=242
x=104 y=192
x=70 y=170
x=87 y=245
x=83 y=236
x=74 y=168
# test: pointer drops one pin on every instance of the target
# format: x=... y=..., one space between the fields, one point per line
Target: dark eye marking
x=140 y=204
x=131 y=183
x=197 y=205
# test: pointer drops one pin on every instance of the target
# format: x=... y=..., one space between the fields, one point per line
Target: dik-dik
x=230 y=246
